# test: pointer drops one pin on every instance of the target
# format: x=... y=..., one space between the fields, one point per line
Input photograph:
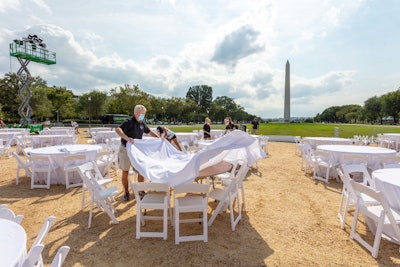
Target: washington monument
x=286 y=114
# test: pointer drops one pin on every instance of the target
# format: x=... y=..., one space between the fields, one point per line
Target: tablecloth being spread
x=159 y=161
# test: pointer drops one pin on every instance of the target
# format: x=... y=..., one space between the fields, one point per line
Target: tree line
x=377 y=109
x=61 y=104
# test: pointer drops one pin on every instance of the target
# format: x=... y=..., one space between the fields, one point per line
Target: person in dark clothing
x=207 y=129
x=131 y=129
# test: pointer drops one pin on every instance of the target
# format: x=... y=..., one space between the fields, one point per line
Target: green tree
x=97 y=104
x=343 y=116
x=373 y=109
x=202 y=95
x=391 y=104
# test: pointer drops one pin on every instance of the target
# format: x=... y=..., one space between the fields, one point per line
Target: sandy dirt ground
x=291 y=220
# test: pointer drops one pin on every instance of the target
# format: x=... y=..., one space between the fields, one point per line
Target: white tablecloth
x=388 y=182
x=51 y=140
x=12 y=243
x=47 y=131
x=157 y=160
x=93 y=131
x=316 y=141
x=57 y=153
x=373 y=153
x=189 y=137
x=215 y=134
x=102 y=136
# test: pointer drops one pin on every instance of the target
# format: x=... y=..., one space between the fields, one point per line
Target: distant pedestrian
x=255 y=125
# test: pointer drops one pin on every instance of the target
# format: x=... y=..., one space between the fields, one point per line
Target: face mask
x=141 y=117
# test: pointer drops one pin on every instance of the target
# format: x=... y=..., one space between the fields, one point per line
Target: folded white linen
x=159 y=161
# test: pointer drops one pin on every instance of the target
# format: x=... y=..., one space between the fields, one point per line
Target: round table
x=214 y=170
x=57 y=154
x=372 y=152
x=316 y=141
x=388 y=182
x=12 y=243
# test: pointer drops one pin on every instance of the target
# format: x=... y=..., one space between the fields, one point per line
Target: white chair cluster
x=359 y=192
x=34 y=255
x=190 y=205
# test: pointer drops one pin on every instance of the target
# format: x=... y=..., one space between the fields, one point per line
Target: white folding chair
x=34 y=257
x=307 y=160
x=157 y=197
x=8 y=214
x=191 y=198
x=103 y=197
x=59 y=258
x=299 y=143
x=241 y=177
x=101 y=181
x=41 y=236
x=263 y=140
x=21 y=166
x=71 y=163
x=227 y=197
x=382 y=221
x=323 y=164
x=348 y=197
x=104 y=160
x=41 y=164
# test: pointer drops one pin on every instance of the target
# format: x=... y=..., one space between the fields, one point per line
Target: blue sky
x=341 y=52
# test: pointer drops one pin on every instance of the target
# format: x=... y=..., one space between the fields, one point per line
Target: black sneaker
x=126 y=196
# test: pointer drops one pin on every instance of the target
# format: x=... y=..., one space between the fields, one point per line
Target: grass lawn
x=306 y=129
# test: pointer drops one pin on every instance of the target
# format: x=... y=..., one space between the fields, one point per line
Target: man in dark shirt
x=129 y=130
x=255 y=126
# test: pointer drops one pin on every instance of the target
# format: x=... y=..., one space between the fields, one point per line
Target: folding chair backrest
x=351 y=169
x=44 y=230
x=59 y=258
x=8 y=214
x=34 y=257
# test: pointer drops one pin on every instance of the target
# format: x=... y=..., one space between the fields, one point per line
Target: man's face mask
x=141 y=117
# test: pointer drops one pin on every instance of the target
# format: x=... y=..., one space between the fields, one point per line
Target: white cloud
x=240 y=49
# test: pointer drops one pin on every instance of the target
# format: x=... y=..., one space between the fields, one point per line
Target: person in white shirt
x=166 y=133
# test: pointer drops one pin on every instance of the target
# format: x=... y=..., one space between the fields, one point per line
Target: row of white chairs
x=34 y=255
x=35 y=164
x=323 y=167
x=381 y=220
x=187 y=198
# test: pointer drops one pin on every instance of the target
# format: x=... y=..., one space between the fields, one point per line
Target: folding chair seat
x=157 y=197
x=22 y=165
x=71 y=163
x=41 y=164
x=60 y=256
x=227 y=197
x=381 y=220
x=8 y=214
x=103 y=197
x=191 y=198
x=323 y=164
